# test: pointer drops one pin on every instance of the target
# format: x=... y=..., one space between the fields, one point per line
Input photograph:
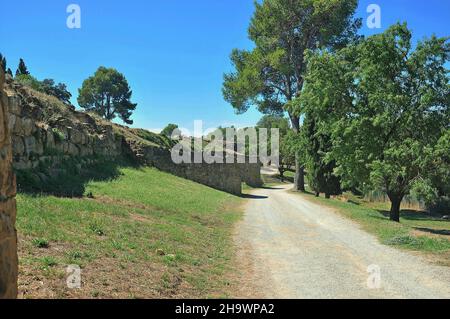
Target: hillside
x=57 y=149
x=146 y=234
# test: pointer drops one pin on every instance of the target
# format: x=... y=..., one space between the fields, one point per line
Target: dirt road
x=292 y=248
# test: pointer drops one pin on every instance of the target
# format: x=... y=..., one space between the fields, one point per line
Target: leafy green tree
x=22 y=69
x=288 y=150
x=108 y=94
x=320 y=170
x=388 y=107
x=275 y=121
x=59 y=90
x=270 y=76
x=270 y=121
x=168 y=130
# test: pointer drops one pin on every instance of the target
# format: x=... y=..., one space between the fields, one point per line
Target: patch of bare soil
x=101 y=278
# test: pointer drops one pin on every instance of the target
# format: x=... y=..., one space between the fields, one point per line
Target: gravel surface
x=297 y=249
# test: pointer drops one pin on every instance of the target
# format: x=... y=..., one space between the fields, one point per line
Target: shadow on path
x=249 y=196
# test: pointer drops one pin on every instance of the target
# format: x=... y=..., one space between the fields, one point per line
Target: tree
x=59 y=90
x=168 y=130
x=9 y=71
x=320 y=169
x=388 y=107
x=275 y=121
x=108 y=94
x=270 y=121
x=270 y=76
x=3 y=62
x=22 y=69
x=30 y=81
x=288 y=150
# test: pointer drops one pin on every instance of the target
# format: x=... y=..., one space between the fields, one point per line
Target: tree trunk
x=317 y=194
x=396 y=201
x=327 y=196
x=299 y=180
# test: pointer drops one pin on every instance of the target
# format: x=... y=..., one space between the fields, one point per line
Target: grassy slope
x=417 y=231
x=116 y=235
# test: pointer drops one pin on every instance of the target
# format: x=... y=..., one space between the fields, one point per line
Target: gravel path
x=293 y=248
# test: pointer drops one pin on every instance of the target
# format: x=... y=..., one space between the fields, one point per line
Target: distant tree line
x=47 y=86
x=106 y=93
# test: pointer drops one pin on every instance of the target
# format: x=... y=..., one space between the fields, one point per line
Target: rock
x=18 y=146
x=14 y=105
x=30 y=145
x=160 y=252
x=446 y=217
x=28 y=126
x=8 y=235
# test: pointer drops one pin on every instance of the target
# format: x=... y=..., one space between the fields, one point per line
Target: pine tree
x=9 y=71
x=22 y=69
x=3 y=62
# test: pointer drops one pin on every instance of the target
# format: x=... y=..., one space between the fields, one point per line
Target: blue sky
x=173 y=52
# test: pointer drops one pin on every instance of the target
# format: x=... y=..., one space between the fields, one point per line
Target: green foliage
x=22 y=68
x=59 y=90
x=317 y=144
x=30 y=81
x=271 y=75
x=386 y=108
x=40 y=243
x=288 y=149
x=270 y=121
x=157 y=139
x=3 y=63
x=58 y=135
x=168 y=130
x=47 y=86
x=108 y=94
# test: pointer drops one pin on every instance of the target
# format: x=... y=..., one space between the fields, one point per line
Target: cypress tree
x=3 y=62
x=22 y=69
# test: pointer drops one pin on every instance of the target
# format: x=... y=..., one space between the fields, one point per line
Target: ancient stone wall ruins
x=8 y=237
x=45 y=132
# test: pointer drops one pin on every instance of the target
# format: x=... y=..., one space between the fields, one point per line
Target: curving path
x=293 y=248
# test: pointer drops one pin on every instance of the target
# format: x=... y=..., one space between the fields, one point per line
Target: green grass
x=417 y=230
x=115 y=236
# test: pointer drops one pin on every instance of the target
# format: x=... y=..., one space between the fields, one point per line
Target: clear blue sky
x=173 y=52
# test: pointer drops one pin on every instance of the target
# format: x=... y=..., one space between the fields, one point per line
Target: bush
x=40 y=243
x=30 y=81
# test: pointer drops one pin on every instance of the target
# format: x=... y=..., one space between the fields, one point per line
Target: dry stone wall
x=46 y=132
x=8 y=236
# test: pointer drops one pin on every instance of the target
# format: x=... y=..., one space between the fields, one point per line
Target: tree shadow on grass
x=353 y=202
x=413 y=215
x=68 y=179
x=442 y=232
